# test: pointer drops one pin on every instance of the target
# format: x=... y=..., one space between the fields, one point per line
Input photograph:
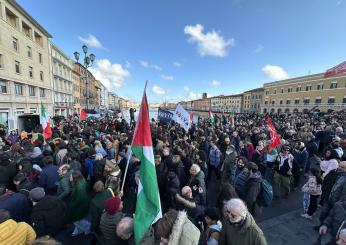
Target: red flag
x=191 y=116
x=336 y=70
x=274 y=137
x=83 y=115
x=47 y=132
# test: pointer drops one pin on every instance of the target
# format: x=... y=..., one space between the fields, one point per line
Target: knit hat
x=112 y=205
x=37 y=194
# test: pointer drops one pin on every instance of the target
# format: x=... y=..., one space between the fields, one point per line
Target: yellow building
x=312 y=92
x=246 y=101
x=252 y=100
x=25 y=80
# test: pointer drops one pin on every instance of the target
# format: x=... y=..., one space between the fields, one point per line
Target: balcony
x=301 y=107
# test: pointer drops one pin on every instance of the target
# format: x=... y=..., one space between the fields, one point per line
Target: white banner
x=182 y=117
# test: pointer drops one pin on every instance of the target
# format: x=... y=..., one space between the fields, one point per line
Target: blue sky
x=186 y=47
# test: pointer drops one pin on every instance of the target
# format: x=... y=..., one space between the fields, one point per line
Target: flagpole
x=128 y=159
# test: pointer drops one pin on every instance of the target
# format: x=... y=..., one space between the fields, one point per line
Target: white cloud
x=186 y=88
x=215 y=83
x=167 y=77
x=156 y=67
x=128 y=65
x=274 y=72
x=209 y=43
x=158 y=90
x=177 y=64
x=259 y=48
x=111 y=75
x=91 y=41
x=192 y=96
x=144 y=63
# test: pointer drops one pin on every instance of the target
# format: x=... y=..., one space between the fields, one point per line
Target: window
x=42 y=92
x=289 y=90
x=27 y=30
x=331 y=100
x=306 y=101
x=41 y=76
x=40 y=58
x=267 y=92
x=344 y=99
x=31 y=90
x=15 y=44
x=333 y=85
x=288 y=102
x=308 y=87
x=38 y=39
x=298 y=89
x=274 y=91
x=1 y=62
x=31 y=72
x=281 y=102
x=17 y=66
x=266 y=102
x=18 y=88
x=320 y=86
x=11 y=18
x=318 y=100
x=296 y=101
x=282 y=90
x=3 y=87
x=29 y=52
x=273 y=102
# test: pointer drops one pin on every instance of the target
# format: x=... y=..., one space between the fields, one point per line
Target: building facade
x=25 y=80
x=312 y=92
x=256 y=100
x=76 y=79
x=246 y=101
x=62 y=67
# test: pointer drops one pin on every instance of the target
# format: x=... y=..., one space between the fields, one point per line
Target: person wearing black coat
x=312 y=149
x=177 y=166
x=252 y=187
x=327 y=185
x=161 y=174
x=7 y=171
x=47 y=216
x=172 y=188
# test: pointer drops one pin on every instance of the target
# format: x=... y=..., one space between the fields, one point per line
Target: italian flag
x=44 y=121
x=211 y=116
x=148 y=206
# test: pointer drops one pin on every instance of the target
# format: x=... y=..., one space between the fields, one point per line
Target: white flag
x=182 y=117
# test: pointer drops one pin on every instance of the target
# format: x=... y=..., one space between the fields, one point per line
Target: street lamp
x=88 y=62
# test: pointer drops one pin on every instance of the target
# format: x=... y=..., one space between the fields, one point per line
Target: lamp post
x=88 y=62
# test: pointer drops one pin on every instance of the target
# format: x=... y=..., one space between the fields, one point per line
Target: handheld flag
x=274 y=137
x=211 y=116
x=44 y=121
x=148 y=207
x=83 y=115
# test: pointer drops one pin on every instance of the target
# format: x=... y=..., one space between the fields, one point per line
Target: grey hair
x=125 y=227
x=196 y=167
x=342 y=234
x=237 y=205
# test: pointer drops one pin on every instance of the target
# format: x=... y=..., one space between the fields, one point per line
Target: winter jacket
x=230 y=157
x=328 y=183
x=13 y=233
x=64 y=187
x=248 y=233
x=200 y=178
x=214 y=157
x=79 y=202
x=239 y=178
x=183 y=231
x=101 y=151
x=98 y=169
x=96 y=208
x=49 y=177
x=311 y=148
x=301 y=157
x=89 y=165
x=336 y=216
x=47 y=216
x=108 y=224
x=312 y=187
x=193 y=209
x=178 y=168
x=17 y=204
x=7 y=172
x=161 y=174
x=252 y=190
x=172 y=188
x=338 y=192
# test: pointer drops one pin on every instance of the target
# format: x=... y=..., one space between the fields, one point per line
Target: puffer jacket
x=312 y=187
x=336 y=216
x=13 y=233
x=183 y=231
x=338 y=192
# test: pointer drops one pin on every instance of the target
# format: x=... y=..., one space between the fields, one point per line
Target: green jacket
x=64 y=188
x=249 y=233
x=79 y=204
x=96 y=208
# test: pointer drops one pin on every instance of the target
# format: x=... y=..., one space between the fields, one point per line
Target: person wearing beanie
x=47 y=215
x=109 y=220
x=97 y=204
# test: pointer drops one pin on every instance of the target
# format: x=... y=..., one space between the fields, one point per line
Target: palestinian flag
x=83 y=115
x=274 y=137
x=148 y=207
x=44 y=121
x=211 y=116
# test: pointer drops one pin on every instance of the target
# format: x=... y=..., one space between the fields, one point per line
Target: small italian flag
x=44 y=121
x=211 y=116
x=148 y=206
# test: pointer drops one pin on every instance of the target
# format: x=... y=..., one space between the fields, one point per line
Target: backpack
x=265 y=197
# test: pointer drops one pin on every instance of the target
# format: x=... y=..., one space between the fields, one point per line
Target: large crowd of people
x=72 y=182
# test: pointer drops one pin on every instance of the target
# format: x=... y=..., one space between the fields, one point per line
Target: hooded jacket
x=13 y=233
x=183 y=231
x=252 y=190
x=248 y=233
